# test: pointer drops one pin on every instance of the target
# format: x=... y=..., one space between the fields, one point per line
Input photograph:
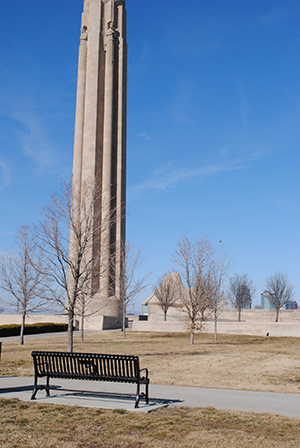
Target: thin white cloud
x=34 y=139
x=33 y=111
x=5 y=174
x=271 y=18
x=182 y=105
x=244 y=103
x=35 y=147
x=164 y=180
x=145 y=136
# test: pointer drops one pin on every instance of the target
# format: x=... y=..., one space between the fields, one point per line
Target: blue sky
x=213 y=125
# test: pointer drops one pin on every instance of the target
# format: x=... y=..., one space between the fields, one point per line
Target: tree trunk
x=82 y=325
x=22 y=328
x=70 y=331
x=277 y=315
x=216 y=328
x=192 y=336
x=239 y=315
x=165 y=316
x=124 y=319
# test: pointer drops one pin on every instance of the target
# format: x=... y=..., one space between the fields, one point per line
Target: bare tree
x=280 y=291
x=70 y=233
x=166 y=291
x=220 y=268
x=240 y=292
x=27 y=288
x=128 y=284
x=83 y=311
x=194 y=261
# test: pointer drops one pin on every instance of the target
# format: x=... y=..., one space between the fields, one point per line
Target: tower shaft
x=100 y=134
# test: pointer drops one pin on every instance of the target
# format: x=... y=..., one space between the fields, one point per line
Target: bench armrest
x=146 y=370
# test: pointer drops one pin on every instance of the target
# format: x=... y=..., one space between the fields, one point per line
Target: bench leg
x=141 y=395
x=35 y=389
x=137 y=399
x=47 y=387
x=147 y=393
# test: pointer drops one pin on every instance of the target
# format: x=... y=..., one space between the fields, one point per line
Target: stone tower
x=100 y=127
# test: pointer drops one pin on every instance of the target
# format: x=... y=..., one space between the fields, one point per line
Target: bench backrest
x=86 y=366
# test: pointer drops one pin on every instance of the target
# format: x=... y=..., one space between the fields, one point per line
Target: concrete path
x=122 y=396
x=41 y=335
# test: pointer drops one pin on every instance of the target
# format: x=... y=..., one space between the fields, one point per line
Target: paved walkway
x=43 y=335
x=122 y=396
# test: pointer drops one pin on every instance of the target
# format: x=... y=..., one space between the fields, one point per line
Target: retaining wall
x=277 y=329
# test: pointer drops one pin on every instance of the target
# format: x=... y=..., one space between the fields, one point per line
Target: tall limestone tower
x=100 y=130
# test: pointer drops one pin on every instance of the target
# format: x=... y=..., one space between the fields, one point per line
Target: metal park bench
x=89 y=366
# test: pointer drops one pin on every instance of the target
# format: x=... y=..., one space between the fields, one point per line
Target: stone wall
x=254 y=322
x=155 y=315
x=278 y=329
x=6 y=319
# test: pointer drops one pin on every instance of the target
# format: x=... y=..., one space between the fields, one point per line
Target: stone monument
x=100 y=129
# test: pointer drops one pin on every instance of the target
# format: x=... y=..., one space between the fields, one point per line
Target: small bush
x=45 y=327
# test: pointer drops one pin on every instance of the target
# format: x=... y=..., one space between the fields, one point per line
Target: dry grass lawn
x=235 y=362
x=49 y=426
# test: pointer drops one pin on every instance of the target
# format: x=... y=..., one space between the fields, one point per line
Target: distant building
x=257 y=307
x=265 y=302
x=291 y=305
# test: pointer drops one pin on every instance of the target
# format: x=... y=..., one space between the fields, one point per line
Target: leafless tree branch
x=166 y=291
x=129 y=284
x=70 y=229
x=21 y=275
x=194 y=261
x=240 y=292
x=280 y=291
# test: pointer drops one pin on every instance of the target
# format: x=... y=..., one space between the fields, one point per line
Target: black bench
x=89 y=366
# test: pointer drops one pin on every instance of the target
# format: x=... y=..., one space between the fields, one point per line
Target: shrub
x=45 y=327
